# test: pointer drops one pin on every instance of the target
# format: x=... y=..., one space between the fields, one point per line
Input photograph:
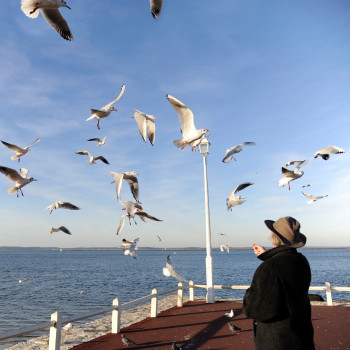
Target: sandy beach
x=101 y=326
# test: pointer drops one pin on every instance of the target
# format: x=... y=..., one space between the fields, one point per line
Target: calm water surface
x=56 y=278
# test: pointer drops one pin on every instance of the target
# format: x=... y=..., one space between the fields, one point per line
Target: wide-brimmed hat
x=288 y=230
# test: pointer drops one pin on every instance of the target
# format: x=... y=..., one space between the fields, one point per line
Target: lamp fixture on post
x=204 y=149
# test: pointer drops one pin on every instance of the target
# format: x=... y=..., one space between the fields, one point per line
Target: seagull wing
x=118 y=178
x=134 y=185
x=143 y=214
x=13 y=148
x=84 y=153
x=156 y=7
x=141 y=123
x=57 y=22
x=33 y=144
x=308 y=195
x=242 y=186
x=65 y=230
x=95 y=139
x=103 y=159
x=247 y=144
x=121 y=224
x=69 y=206
x=185 y=115
x=11 y=174
x=23 y=172
x=110 y=104
x=151 y=130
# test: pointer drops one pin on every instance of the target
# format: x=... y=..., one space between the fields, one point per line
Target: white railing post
x=55 y=331
x=329 y=294
x=154 y=303
x=191 y=290
x=116 y=314
x=180 y=293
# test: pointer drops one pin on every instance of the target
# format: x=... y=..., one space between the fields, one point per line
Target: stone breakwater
x=101 y=326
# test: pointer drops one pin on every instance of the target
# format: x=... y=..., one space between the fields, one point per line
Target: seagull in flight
x=130 y=247
x=169 y=270
x=145 y=123
x=312 y=198
x=18 y=150
x=308 y=185
x=235 y=149
x=49 y=10
x=325 y=152
x=156 y=7
x=106 y=110
x=225 y=248
x=290 y=175
x=61 y=228
x=159 y=239
x=130 y=178
x=20 y=179
x=233 y=200
x=60 y=204
x=91 y=158
x=221 y=234
x=188 y=129
x=99 y=141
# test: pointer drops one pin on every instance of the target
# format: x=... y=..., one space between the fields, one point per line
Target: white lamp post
x=204 y=149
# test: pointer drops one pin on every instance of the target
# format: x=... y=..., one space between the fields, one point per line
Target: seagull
x=290 y=175
x=312 y=198
x=91 y=158
x=133 y=208
x=49 y=10
x=99 y=141
x=64 y=205
x=308 y=185
x=23 y=280
x=130 y=247
x=67 y=328
x=221 y=234
x=156 y=7
x=232 y=200
x=189 y=131
x=20 y=179
x=225 y=247
x=230 y=314
x=126 y=340
x=61 y=228
x=168 y=270
x=18 y=150
x=233 y=328
x=325 y=152
x=130 y=178
x=82 y=292
x=159 y=239
x=235 y=149
x=106 y=110
x=145 y=123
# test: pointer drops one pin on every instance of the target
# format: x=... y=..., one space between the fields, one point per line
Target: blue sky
x=273 y=72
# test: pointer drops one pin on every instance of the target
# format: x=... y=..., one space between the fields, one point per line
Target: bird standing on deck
x=49 y=10
x=20 y=179
x=233 y=328
x=106 y=110
x=188 y=129
x=18 y=150
x=126 y=340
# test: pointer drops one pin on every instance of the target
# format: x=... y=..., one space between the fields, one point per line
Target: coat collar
x=277 y=250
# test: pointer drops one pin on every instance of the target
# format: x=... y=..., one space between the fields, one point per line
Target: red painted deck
x=198 y=325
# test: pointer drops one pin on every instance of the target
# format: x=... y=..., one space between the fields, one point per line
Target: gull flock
x=146 y=125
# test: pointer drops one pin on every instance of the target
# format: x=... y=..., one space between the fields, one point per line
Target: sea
x=76 y=282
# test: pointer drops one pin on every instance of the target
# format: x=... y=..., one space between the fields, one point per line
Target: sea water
x=80 y=282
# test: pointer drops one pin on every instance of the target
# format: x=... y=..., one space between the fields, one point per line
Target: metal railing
x=56 y=323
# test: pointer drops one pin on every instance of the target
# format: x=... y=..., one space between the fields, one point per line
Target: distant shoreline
x=111 y=249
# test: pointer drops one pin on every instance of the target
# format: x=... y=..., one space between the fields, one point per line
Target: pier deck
x=198 y=325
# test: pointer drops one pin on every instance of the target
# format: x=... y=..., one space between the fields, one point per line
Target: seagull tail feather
x=179 y=143
x=12 y=190
x=27 y=6
x=90 y=118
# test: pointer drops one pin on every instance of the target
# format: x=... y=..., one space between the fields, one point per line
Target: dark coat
x=278 y=301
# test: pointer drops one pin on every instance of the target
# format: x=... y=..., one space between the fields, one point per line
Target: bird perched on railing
x=20 y=179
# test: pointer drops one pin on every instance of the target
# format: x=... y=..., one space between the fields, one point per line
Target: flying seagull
x=61 y=228
x=99 y=141
x=145 y=123
x=312 y=198
x=168 y=270
x=156 y=7
x=232 y=200
x=159 y=239
x=188 y=130
x=49 y=10
x=18 y=150
x=60 y=204
x=126 y=340
x=308 y=185
x=106 y=110
x=221 y=234
x=91 y=158
x=130 y=178
x=235 y=149
x=20 y=179
x=290 y=175
x=325 y=152
x=130 y=247
x=225 y=248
